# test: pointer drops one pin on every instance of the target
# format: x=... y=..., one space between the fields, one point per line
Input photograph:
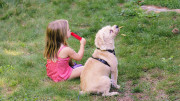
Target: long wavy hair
x=56 y=34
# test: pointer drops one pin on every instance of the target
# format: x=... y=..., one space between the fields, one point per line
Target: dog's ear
x=99 y=41
x=111 y=31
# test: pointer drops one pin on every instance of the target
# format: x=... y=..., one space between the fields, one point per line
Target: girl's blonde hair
x=56 y=34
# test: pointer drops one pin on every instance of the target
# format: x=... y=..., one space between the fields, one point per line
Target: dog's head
x=105 y=37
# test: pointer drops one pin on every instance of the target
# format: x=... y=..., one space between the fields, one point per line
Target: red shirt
x=59 y=70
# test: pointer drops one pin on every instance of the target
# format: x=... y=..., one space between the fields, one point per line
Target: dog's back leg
x=105 y=86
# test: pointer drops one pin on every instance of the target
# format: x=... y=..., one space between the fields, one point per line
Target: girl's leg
x=76 y=72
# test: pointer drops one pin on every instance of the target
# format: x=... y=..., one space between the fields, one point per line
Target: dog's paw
x=116 y=86
x=115 y=93
x=110 y=94
x=81 y=92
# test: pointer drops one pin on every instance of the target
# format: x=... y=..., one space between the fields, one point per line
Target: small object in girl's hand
x=76 y=36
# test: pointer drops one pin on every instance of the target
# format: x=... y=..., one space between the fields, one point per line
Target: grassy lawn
x=148 y=52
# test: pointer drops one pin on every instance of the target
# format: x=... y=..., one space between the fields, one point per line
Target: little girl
x=58 y=54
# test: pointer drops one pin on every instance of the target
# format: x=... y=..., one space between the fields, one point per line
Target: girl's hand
x=72 y=54
x=83 y=42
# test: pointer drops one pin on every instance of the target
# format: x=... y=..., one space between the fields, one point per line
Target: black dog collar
x=111 y=51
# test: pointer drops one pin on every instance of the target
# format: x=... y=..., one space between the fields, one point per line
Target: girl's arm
x=77 y=56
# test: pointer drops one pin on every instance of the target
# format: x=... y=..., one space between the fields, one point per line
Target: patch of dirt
x=126 y=98
x=127 y=95
x=142 y=96
x=175 y=31
x=153 y=77
x=8 y=90
x=157 y=9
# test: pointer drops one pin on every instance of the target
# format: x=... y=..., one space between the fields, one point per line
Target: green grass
x=173 y=4
x=144 y=44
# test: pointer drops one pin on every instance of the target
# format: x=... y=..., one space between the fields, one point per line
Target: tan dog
x=95 y=76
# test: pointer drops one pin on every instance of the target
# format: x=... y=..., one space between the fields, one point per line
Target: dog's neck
x=104 y=45
x=109 y=50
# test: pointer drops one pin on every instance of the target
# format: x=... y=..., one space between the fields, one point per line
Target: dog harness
x=103 y=61
x=111 y=51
